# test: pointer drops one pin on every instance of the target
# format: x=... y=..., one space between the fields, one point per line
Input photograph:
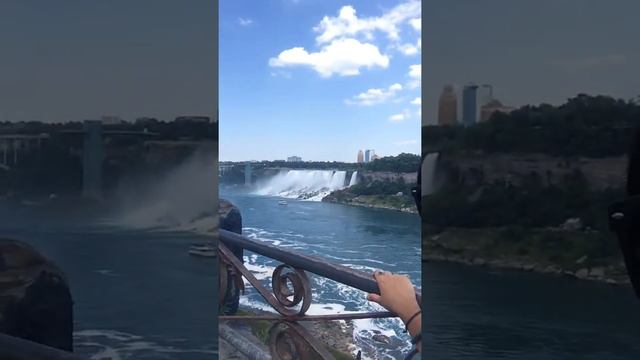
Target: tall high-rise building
x=448 y=107
x=360 y=157
x=368 y=155
x=470 y=111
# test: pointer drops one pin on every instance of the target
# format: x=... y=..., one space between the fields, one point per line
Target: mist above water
x=183 y=198
x=303 y=184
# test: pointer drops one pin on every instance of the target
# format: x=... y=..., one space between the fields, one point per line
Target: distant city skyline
x=532 y=51
x=77 y=60
x=335 y=77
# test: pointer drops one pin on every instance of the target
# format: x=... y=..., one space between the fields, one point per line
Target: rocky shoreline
x=357 y=201
x=598 y=273
x=441 y=248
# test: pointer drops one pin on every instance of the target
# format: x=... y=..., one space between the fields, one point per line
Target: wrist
x=406 y=315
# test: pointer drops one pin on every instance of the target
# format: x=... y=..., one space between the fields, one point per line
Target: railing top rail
x=340 y=273
x=13 y=348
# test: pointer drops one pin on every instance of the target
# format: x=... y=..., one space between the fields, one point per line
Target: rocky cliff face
x=476 y=169
x=386 y=176
x=35 y=300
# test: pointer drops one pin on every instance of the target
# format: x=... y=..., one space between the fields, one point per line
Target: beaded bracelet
x=406 y=329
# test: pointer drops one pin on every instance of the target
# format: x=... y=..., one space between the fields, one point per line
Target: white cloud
x=408 y=49
x=411 y=49
x=417 y=101
x=374 y=96
x=416 y=23
x=406 y=142
x=415 y=71
x=346 y=42
x=245 y=21
x=415 y=75
x=347 y=23
x=344 y=57
x=399 y=117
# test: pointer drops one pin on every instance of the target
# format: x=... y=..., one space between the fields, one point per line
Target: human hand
x=396 y=294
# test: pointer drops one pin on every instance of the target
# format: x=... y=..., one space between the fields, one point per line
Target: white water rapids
x=305 y=184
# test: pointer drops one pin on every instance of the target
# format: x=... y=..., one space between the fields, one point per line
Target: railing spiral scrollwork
x=290 y=294
x=285 y=276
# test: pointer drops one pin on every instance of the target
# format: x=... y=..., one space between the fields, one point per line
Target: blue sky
x=320 y=79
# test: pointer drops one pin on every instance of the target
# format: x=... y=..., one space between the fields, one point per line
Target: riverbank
x=581 y=254
x=398 y=202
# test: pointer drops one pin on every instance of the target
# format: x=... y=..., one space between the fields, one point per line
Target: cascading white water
x=304 y=184
x=428 y=173
x=354 y=178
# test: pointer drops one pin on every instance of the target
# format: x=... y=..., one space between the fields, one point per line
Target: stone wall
x=370 y=176
x=486 y=168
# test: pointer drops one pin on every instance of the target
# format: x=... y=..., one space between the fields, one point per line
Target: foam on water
x=106 y=272
x=101 y=344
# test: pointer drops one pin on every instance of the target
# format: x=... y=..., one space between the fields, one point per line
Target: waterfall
x=428 y=171
x=354 y=178
x=303 y=184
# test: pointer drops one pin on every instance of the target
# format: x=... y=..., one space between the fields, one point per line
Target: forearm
x=413 y=324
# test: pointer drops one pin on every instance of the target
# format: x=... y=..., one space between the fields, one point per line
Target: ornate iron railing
x=290 y=294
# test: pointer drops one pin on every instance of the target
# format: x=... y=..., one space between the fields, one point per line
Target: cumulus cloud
x=375 y=96
x=346 y=42
x=417 y=101
x=244 y=21
x=415 y=71
x=348 y=24
x=344 y=57
x=415 y=76
x=399 y=117
x=416 y=23
x=408 y=49
x=411 y=49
